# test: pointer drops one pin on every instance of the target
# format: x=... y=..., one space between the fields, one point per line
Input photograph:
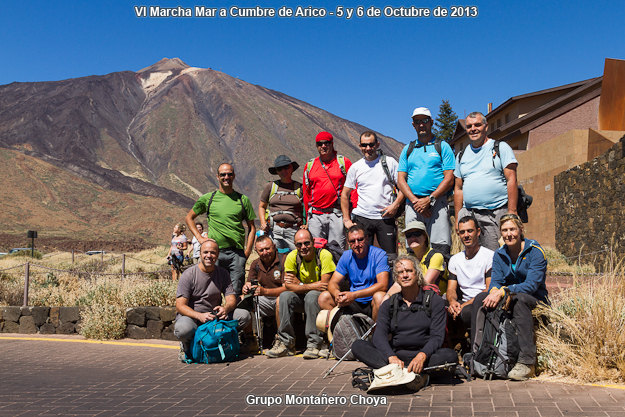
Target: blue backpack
x=216 y=341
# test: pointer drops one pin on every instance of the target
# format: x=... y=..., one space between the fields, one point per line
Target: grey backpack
x=496 y=348
x=347 y=330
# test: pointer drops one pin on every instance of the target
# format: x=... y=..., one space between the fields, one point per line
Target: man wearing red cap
x=323 y=181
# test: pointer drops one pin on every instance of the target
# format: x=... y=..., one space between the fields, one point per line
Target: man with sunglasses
x=425 y=176
x=324 y=178
x=486 y=180
x=375 y=177
x=227 y=211
x=307 y=272
x=366 y=269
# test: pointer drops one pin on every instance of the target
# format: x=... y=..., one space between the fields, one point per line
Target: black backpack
x=524 y=200
x=413 y=144
x=390 y=179
x=397 y=305
x=495 y=349
x=210 y=201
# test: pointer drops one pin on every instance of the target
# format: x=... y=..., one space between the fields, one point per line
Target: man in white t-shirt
x=469 y=275
x=375 y=178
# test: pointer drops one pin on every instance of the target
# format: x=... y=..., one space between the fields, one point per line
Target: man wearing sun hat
x=425 y=176
x=324 y=178
x=280 y=208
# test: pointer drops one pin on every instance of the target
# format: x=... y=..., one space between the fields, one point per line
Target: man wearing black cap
x=280 y=208
x=324 y=178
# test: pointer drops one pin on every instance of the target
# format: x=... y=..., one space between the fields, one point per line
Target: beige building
x=556 y=129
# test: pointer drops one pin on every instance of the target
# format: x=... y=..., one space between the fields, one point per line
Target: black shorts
x=356 y=307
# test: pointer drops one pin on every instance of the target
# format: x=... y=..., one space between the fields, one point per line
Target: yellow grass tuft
x=585 y=335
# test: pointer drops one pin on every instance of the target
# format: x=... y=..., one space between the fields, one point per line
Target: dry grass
x=56 y=281
x=585 y=339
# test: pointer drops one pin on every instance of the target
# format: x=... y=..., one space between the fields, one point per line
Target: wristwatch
x=432 y=200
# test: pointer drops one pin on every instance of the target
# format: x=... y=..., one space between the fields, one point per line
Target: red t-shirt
x=324 y=188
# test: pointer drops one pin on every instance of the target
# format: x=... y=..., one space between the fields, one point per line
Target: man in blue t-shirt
x=366 y=269
x=486 y=181
x=425 y=175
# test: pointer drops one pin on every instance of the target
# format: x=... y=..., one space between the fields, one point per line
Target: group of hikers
x=418 y=301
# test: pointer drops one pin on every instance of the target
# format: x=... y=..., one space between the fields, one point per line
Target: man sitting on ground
x=198 y=298
x=268 y=271
x=366 y=268
x=307 y=272
x=469 y=275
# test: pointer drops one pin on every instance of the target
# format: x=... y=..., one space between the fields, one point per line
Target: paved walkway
x=67 y=377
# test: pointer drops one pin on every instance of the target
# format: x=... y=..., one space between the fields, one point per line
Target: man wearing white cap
x=425 y=176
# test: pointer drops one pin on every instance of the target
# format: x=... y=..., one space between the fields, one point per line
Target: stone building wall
x=590 y=216
x=141 y=322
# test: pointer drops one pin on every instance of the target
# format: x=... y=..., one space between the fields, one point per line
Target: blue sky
x=373 y=71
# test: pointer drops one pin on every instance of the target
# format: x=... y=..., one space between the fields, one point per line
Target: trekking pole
x=329 y=371
x=259 y=324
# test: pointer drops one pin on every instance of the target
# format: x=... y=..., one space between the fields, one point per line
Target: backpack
x=524 y=200
x=216 y=341
x=210 y=201
x=274 y=191
x=390 y=179
x=437 y=145
x=298 y=263
x=444 y=276
x=495 y=349
x=397 y=305
x=347 y=330
x=340 y=159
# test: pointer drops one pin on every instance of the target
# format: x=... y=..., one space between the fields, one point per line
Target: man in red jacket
x=323 y=181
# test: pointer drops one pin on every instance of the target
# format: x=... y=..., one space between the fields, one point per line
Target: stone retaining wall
x=589 y=208
x=141 y=322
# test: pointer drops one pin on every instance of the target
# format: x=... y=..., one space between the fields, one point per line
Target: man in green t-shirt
x=227 y=210
x=307 y=273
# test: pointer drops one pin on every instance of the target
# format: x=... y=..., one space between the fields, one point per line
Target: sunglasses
x=509 y=216
x=421 y=121
x=325 y=142
x=418 y=233
x=226 y=174
x=282 y=168
x=475 y=124
x=304 y=243
x=368 y=145
x=356 y=239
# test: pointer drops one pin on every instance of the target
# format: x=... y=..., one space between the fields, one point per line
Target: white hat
x=422 y=111
x=391 y=375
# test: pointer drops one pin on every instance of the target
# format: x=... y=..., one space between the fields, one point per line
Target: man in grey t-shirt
x=198 y=298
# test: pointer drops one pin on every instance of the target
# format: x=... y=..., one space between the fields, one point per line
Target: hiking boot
x=324 y=352
x=182 y=356
x=279 y=349
x=521 y=372
x=311 y=353
x=249 y=345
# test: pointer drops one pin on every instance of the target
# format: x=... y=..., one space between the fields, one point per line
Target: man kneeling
x=198 y=298
x=410 y=326
x=366 y=268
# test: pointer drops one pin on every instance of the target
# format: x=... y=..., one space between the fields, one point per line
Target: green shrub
x=36 y=254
